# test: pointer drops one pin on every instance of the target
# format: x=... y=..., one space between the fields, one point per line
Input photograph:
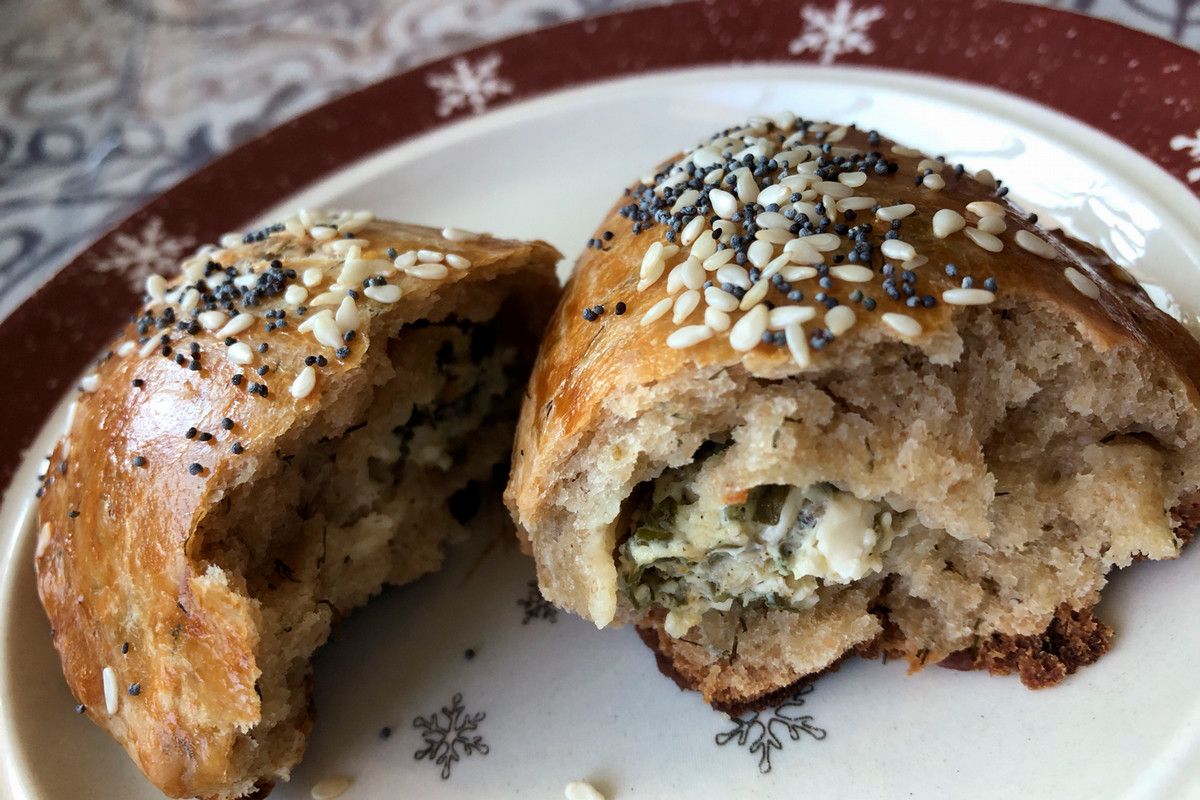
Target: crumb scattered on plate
x=330 y=788
x=582 y=790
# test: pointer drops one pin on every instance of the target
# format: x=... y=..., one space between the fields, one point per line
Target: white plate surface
x=563 y=701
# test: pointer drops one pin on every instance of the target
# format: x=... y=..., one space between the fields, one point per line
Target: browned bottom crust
x=1074 y=639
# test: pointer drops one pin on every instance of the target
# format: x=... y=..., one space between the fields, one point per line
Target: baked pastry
x=289 y=425
x=811 y=393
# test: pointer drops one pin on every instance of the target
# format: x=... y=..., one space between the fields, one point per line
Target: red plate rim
x=1135 y=87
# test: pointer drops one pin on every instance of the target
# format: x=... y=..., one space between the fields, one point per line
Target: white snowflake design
x=838 y=32
x=446 y=735
x=470 y=85
x=135 y=257
x=1192 y=145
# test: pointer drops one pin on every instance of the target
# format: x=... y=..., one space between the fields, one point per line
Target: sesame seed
x=852 y=273
x=716 y=319
x=458 y=235
x=797 y=344
x=717 y=259
x=691 y=231
x=239 y=353
x=754 y=295
x=238 y=324
x=898 y=211
x=589 y=315
x=853 y=179
x=822 y=242
x=984 y=240
x=662 y=307
x=156 y=287
x=1082 y=283
x=111 y=698
x=934 y=182
x=734 y=275
x=139 y=461
x=326 y=331
x=780 y=317
x=947 y=221
x=839 y=319
x=1035 y=244
x=304 y=383
x=312 y=276
x=688 y=336
x=237 y=449
x=985 y=208
x=894 y=248
x=457 y=261
x=388 y=293
x=619 y=308
x=747 y=331
x=723 y=203
x=685 y=305
x=902 y=324
x=135 y=689
x=195 y=468
x=994 y=225
x=429 y=272
x=138 y=383
x=967 y=297
x=720 y=299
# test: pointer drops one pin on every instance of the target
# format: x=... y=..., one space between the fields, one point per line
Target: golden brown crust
x=117 y=559
x=584 y=365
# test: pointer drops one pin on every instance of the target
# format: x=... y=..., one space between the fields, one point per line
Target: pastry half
x=812 y=392
x=302 y=416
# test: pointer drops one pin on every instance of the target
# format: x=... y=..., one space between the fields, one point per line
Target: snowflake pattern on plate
x=836 y=33
x=448 y=735
x=470 y=85
x=536 y=606
x=1192 y=145
x=136 y=258
x=761 y=731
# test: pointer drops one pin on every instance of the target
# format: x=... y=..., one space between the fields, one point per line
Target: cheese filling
x=689 y=553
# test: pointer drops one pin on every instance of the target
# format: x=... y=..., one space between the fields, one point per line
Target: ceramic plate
x=466 y=684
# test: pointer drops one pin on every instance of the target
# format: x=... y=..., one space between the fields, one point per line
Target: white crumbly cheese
x=840 y=548
x=582 y=790
x=712 y=556
x=681 y=620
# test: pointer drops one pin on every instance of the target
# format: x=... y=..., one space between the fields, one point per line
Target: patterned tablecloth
x=108 y=102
